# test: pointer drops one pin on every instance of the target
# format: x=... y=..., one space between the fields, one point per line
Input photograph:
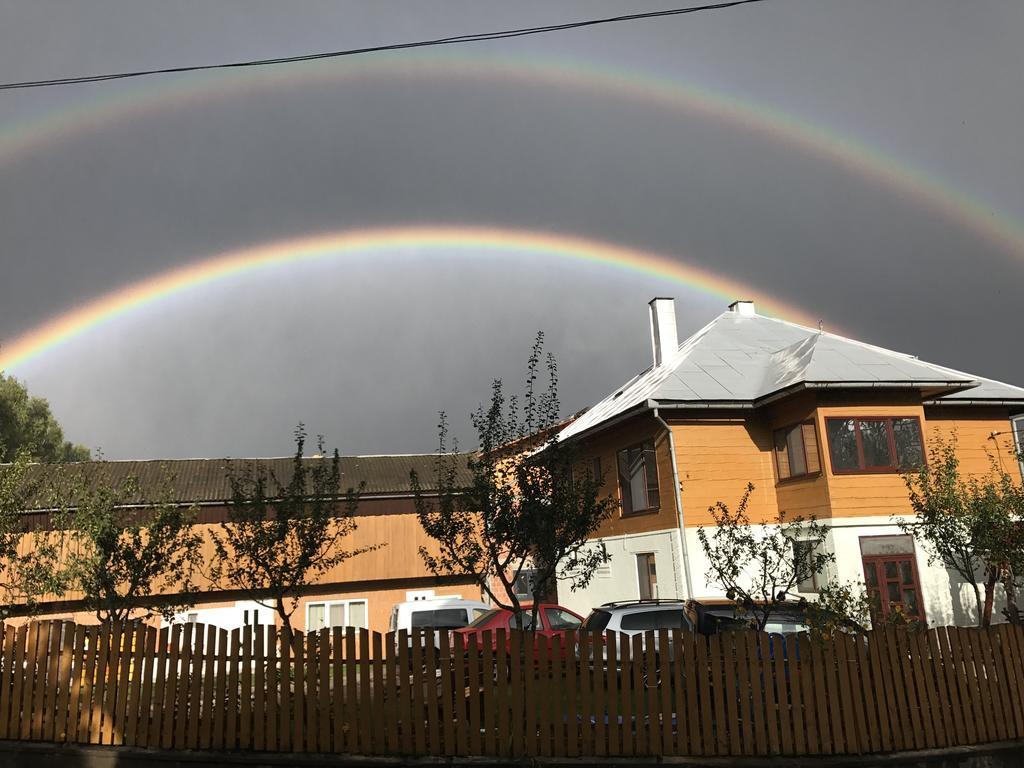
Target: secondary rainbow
x=151 y=95
x=468 y=241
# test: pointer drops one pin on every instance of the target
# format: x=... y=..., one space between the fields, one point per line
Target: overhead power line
x=454 y=40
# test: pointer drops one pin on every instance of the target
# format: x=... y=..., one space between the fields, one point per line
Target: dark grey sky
x=367 y=349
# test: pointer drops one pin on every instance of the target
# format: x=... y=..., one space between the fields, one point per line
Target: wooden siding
x=606 y=446
x=717 y=457
x=397 y=561
x=808 y=496
x=718 y=454
x=974 y=428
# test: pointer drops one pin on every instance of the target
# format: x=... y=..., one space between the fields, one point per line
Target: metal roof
x=744 y=360
x=205 y=481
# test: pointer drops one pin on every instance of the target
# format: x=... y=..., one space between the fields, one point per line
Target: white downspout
x=679 y=505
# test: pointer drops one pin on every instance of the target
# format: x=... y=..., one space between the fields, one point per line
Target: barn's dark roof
x=206 y=480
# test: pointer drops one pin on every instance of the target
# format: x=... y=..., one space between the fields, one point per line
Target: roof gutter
x=683 y=551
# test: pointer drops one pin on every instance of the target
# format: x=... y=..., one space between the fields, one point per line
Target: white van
x=438 y=613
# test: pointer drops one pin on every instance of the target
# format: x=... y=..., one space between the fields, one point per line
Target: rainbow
x=470 y=241
x=926 y=190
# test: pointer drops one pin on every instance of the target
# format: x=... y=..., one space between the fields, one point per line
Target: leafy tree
x=27 y=425
x=27 y=558
x=124 y=553
x=758 y=566
x=970 y=525
x=520 y=502
x=283 y=534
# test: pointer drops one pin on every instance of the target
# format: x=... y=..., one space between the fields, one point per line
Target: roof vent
x=743 y=307
x=664 y=339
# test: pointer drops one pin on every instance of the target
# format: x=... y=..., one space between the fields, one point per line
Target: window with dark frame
x=796 y=451
x=869 y=444
x=638 y=478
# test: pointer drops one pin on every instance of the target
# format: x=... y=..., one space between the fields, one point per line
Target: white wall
x=619 y=579
x=946 y=599
x=228 y=617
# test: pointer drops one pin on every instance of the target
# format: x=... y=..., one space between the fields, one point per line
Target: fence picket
x=404 y=698
x=851 y=723
x=809 y=712
x=997 y=685
x=460 y=724
x=338 y=711
x=585 y=679
x=234 y=672
x=220 y=690
x=208 y=672
x=796 y=694
x=954 y=707
x=7 y=677
x=324 y=687
x=559 y=697
x=298 y=697
x=502 y=724
x=598 y=672
x=780 y=667
x=974 y=675
x=379 y=724
x=474 y=651
x=719 y=694
x=416 y=661
x=67 y=723
x=447 y=694
x=391 y=715
x=542 y=702
x=31 y=674
x=53 y=657
x=365 y=710
x=273 y=682
x=142 y=654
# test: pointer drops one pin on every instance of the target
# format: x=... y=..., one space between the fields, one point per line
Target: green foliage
x=757 y=565
x=522 y=502
x=281 y=535
x=970 y=525
x=838 y=607
x=124 y=553
x=27 y=426
x=26 y=566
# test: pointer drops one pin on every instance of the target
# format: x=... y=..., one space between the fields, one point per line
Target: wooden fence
x=669 y=693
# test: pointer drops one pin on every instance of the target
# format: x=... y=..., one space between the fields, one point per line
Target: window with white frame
x=804 y=551
x=638 y=478
x=336 y=613
x=1018 y=441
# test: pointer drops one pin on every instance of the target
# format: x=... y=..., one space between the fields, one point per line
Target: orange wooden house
x=360 y=592
x=819 y=423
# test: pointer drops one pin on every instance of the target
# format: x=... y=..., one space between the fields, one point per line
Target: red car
x=555 y=621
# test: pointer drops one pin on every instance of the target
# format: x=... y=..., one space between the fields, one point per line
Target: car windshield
x=485 y=618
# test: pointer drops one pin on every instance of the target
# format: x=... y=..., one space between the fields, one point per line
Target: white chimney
x=664 y=340
x=743 y=307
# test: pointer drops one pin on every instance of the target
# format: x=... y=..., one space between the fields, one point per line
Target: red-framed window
x=891 y=576
x=858 y=444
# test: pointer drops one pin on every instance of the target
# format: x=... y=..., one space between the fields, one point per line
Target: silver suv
x=634 y=617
